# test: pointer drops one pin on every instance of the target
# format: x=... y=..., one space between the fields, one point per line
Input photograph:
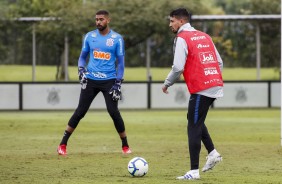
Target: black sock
x=65 y=138
x=124 y=142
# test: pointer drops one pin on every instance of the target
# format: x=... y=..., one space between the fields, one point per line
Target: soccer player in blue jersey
x=102 y=73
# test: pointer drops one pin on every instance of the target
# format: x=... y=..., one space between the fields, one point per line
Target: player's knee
x=73 y=122
x=118 y=121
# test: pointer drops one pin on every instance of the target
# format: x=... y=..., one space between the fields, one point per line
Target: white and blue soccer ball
x=138 y=167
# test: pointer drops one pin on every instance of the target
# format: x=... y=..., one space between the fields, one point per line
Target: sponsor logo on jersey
x=114 y=35
x=200 y=46
x=120 y=46
x=110 y=42
x=94 y=35
x=194 y=38
x=212 y=81
x=211 y=71
x=207 y=57
x=99 y=75
x=102 y=55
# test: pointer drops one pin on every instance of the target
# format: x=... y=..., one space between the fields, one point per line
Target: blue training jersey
x=104 y=50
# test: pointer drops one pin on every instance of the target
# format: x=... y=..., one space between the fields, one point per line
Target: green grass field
x=15 y=73
x=249 y=141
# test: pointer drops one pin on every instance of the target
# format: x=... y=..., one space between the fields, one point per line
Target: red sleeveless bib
x=201 y=70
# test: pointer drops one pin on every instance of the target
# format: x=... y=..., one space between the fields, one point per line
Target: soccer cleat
x=190 y=175
x=126 y=150
x=212 y=160
x=62 y=149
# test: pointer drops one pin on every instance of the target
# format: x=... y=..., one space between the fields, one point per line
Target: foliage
x=270 y=32
x=136 y=20
x=243 y=33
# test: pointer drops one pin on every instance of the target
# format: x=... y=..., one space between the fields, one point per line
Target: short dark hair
x=181 y=13
x=103 y=12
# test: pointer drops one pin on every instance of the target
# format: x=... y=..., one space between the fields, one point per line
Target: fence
x=136 y=95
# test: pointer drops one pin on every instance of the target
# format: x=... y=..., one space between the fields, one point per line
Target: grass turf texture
x=249 y=141
x=15 y=73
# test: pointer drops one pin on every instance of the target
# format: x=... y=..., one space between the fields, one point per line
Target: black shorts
x=88 y=94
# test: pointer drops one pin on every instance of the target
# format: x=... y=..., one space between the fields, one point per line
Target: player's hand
x=164 y=88
x=82 y=76
x=115 y=91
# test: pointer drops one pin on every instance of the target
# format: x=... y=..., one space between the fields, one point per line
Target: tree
x=243 y=34
x=270 y=31
x=136 y=20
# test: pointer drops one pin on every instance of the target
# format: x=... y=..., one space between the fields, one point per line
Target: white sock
x=213 y=152
x=195 y=171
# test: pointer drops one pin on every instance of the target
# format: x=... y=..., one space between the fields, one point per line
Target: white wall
x=9 y=96
x=275 y=94
x=178 y=96
x=244 y=95
x=65 y=96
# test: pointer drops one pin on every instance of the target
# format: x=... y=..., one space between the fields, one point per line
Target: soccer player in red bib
x=105 y=48
x=196 y=57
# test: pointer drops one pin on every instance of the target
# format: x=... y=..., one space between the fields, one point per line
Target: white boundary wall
x=177 y=97
x=244 y=95
x=65 y=96
x=9 y=96
x=275 y=94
